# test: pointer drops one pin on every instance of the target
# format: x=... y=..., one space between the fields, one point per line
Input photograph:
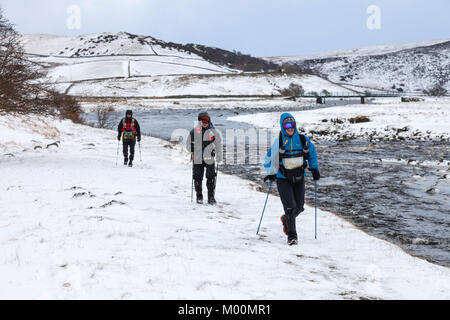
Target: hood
x=282 y=118
x=127 y=113
x=204 y=114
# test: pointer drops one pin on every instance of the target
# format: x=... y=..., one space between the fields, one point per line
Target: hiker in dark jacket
x=203 y=143
x=129 y=130
x=291 y=153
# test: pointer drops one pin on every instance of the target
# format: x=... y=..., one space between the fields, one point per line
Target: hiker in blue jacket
x=290 y=154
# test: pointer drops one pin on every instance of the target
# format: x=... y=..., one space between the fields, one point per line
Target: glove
x=118 y=137
x=139 y=139
x=315 y=174
x=271 y=177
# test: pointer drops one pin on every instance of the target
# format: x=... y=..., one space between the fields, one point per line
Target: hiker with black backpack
x=129 y=131
x=205 y=146
x=290 y=154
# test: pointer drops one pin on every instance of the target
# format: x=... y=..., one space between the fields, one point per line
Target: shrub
x=337 y=121
x=359 y=119
x=289 y=68
x=437 y=91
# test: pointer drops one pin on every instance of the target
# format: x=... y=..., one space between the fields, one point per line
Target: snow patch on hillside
x=367 y=51
x=243 y=84
x=103 y=44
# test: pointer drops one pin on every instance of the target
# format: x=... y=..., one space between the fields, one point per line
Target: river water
x=386 y=188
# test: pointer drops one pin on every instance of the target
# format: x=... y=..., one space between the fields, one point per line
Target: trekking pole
x=315 y=205
x=216 y=172
x=140 y=154
x=192 y=189
x=117 y=156
x=262 y=214
x=192 y=180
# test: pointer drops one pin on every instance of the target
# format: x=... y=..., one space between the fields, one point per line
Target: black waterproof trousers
x=197 y=174
x=131 y=143
x=292 y=196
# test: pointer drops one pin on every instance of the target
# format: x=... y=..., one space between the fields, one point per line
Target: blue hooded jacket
x=272 y=161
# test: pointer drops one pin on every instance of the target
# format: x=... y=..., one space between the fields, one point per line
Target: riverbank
x=384 y=120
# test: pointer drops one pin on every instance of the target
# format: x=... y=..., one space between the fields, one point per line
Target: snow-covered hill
x=78 y=227
x=104 y=44
x=128 y=65
x=99 y=56
x=405 y=67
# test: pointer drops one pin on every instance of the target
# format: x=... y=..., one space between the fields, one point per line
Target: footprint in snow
x=83 y=194
x=112 y=202
x=115 y=194
x=87 y=148
x=307 y=257
x=74 y=188
x=56 y=144
x=263 y=237
x=100 y=218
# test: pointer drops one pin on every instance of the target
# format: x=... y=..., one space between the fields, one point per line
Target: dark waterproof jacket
x=128 y=120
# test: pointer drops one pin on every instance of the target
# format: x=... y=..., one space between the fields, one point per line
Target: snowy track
x=73 y=225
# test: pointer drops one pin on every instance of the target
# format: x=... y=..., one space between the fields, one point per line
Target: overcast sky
x=256 y=27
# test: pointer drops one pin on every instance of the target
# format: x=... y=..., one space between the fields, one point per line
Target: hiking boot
x=130 y=164
x=125 y=161
x=199 y=198
x=211 y=200
x=293 y=242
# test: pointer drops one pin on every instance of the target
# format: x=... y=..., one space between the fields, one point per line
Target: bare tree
x=294 y=90
x=104 y=117
x=23 y=87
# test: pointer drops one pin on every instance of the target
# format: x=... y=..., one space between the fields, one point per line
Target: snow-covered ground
x=389 y=119
x=75 y=225
x=236 y=104
x=202 y=85
x=125 y=68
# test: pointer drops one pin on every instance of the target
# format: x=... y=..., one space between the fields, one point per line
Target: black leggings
x=198 y=172
x=129 y=143
x=292 y=196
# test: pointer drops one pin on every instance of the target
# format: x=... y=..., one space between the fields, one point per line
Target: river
x=404 y=202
